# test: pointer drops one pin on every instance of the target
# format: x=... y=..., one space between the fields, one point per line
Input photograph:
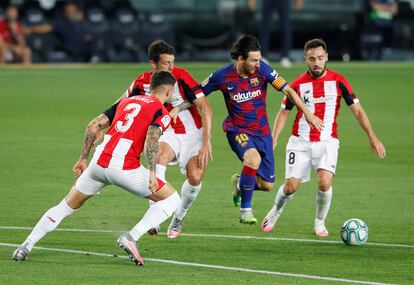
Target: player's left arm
x=281 y=85
x=206 y=116
x=151 y=149
x=376 y=145
x=91 y=134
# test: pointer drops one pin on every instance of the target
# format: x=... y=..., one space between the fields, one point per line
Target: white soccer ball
x=354 y=232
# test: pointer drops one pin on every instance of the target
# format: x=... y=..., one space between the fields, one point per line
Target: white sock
x=160 y=170
x=282 y=199
x=156 y=215
x=323 y=203
x=188 y=195
x=48 y=222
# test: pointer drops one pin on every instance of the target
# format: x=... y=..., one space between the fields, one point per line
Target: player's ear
x=240 y=58
x=326 y=56
x=153 y=64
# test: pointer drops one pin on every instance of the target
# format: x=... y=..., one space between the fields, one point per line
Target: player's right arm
x=91 y=134
x=279 y=125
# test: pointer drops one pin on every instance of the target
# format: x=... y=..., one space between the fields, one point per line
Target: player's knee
x=252 y=158
x=290 y=188
x=194 y=178
x=324 y=186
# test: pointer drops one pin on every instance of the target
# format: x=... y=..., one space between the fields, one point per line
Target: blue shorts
x=240 y=142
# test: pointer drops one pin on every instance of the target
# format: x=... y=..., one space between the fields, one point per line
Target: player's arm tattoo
x=184 y=106
x=94 y=127
x=151 y=149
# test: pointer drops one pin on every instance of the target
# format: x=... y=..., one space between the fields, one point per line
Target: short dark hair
x=159 y=47
x=160 y=78
x=315 y=43
x=243 y=45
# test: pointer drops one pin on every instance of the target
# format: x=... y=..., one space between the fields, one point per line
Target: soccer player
x=244 y=85
x=187 y=141
x=132 y=122
x=321 y=90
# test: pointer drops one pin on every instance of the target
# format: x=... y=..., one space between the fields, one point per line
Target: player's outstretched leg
x=47 y=223
x=235 y=178
x=323 y=203
x=155 y=215
x=273 y=215
x=189 y=194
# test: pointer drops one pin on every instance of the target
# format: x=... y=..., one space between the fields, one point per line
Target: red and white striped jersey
x=322 y=96
x=186 y=88
x=124 y=141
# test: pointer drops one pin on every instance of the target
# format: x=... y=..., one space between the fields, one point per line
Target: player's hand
x=377 y=147
x=153 y=182
x=314 y=121
x=79 y=167
x=203 y=155
x=174 y=114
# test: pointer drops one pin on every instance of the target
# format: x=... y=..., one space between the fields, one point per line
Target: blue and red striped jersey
x=245 y=98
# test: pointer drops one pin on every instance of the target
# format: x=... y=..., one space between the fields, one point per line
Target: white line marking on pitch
x=228 y=268
x=222 y=236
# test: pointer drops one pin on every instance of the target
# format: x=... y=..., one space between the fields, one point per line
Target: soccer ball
x=354 y=232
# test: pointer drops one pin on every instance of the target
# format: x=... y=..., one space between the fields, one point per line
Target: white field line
x=228 y=268
x=223 y=236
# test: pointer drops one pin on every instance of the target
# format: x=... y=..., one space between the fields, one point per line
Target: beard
x=317 y=74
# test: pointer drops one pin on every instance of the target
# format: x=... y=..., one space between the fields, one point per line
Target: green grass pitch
x=44 y=111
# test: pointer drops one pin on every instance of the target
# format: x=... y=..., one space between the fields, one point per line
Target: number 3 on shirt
x=133 y=109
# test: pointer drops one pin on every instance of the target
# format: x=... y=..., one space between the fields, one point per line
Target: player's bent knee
x=76 y=199
x=324 y=186
x=252 y=158
x=290 y=188
x=194 y=177
x=164 y=192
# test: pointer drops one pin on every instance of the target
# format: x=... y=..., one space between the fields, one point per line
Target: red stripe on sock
x=249 y=171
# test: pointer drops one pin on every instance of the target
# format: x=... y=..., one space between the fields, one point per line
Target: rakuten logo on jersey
x=245 y=96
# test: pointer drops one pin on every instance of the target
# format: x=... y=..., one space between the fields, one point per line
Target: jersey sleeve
x=110 y=112
x=286 y=104
x=161 y=119
x=346 y=91
x=211 y=83
x=192 y=89
x=272 y=76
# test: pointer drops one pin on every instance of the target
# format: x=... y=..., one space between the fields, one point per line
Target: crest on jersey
x=166 y=120
x=254 y=82
x=205 y=82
